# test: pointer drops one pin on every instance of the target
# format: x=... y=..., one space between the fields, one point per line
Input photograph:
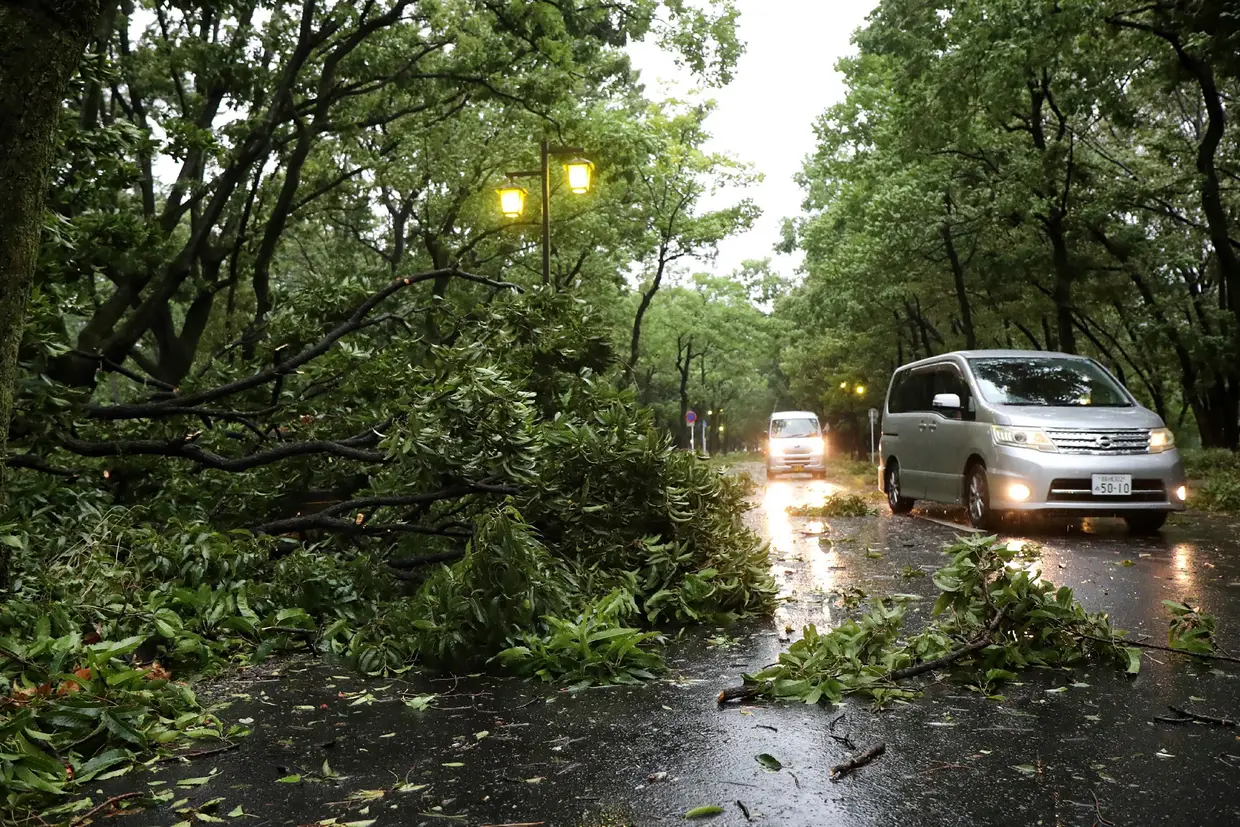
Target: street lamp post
x=580 y=175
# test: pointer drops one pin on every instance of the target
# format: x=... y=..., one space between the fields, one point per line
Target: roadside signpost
x=873 y=422
x=690 y=418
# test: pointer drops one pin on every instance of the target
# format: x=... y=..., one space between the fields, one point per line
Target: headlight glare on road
x=1017 y=437
x=1161 y=439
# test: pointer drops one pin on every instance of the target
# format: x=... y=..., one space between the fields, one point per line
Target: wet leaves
x=420 y=702
x=289 y=779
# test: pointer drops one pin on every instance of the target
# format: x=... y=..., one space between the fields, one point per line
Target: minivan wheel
x=898 y=503
x=1146 y=522
x=977 y=499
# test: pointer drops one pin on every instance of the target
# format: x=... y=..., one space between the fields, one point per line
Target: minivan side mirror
x=951 y=401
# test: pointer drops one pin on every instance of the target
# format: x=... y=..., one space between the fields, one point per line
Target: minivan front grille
x=1081 y=491
x=1110 y=442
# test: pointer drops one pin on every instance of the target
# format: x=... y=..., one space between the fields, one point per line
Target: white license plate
x=1112 y=485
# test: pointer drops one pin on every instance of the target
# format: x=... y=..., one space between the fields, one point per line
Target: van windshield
x=794 y=428
x=1047 y=382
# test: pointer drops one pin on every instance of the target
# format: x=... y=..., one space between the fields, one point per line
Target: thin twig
x=1098 y=812
x=113 y=800
x=860 y=760
x=1121 y=642
x=201 y=753
x=1186 y=717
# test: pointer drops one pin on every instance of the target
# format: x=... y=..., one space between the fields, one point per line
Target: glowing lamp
x=580 y=175
x=511 y=201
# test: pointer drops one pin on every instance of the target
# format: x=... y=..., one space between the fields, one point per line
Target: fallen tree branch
x=183 y=447
x=838 y=771
x=287 y=366
x=951 y=657
x=37 y=463
x=430 y=559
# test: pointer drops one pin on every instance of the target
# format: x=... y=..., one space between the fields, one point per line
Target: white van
x=795 y=444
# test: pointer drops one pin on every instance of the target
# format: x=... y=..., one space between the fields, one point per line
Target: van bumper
x=780 y=465
x=1062 y=483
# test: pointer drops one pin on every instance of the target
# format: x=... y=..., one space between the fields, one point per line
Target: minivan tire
x=977 y=499
x=1146 y=522
x=899 y=504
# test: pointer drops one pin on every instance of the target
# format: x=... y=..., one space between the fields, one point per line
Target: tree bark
x=962 y=296
x=40 y=46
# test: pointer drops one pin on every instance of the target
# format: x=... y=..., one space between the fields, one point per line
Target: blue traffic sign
x=690 y=417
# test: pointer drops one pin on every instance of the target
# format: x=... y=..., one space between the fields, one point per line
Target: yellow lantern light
x=580 y=175
x=843 y=385
x=860 y=390
x=511 y=201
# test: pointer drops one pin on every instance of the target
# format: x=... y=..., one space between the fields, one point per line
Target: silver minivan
x=1010 y=430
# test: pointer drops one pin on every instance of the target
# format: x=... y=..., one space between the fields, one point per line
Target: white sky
x=783 y=82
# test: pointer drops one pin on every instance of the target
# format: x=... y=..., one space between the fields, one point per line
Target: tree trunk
x=40 y=46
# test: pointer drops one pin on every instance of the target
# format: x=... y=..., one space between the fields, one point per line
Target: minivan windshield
x=794 y=428
x=1051 y=382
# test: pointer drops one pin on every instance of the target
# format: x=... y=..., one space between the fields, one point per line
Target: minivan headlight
x=1016 y=437
x=1161 y=439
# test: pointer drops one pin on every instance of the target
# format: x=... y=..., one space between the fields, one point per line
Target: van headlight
x=777 y=449
x=1016 y=437
x=818 y=446
x=1161 y=439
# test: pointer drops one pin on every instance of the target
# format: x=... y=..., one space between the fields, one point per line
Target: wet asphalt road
x=1061 y=749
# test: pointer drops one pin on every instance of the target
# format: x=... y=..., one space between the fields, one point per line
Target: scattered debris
x=744 y=810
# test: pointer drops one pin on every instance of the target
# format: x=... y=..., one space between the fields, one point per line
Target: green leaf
x=289 y=779
x=1134 y=659
x=769 y=761
x=195 y=782
x=706 y=811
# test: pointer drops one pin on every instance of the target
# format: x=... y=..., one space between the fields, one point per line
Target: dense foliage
x=290 y=381
x=1028 y=174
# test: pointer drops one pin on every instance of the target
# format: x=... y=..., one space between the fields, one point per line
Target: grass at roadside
x=1215 y=479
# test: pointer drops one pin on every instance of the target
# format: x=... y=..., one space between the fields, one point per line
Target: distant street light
x=512 y=198
x=843 y=386
x=860 y=390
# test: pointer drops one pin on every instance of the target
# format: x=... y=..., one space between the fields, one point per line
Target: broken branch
x=859 y=760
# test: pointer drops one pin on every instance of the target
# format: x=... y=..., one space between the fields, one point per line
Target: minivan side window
x=913 y=391
x=908 y=394
x=947 y=378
